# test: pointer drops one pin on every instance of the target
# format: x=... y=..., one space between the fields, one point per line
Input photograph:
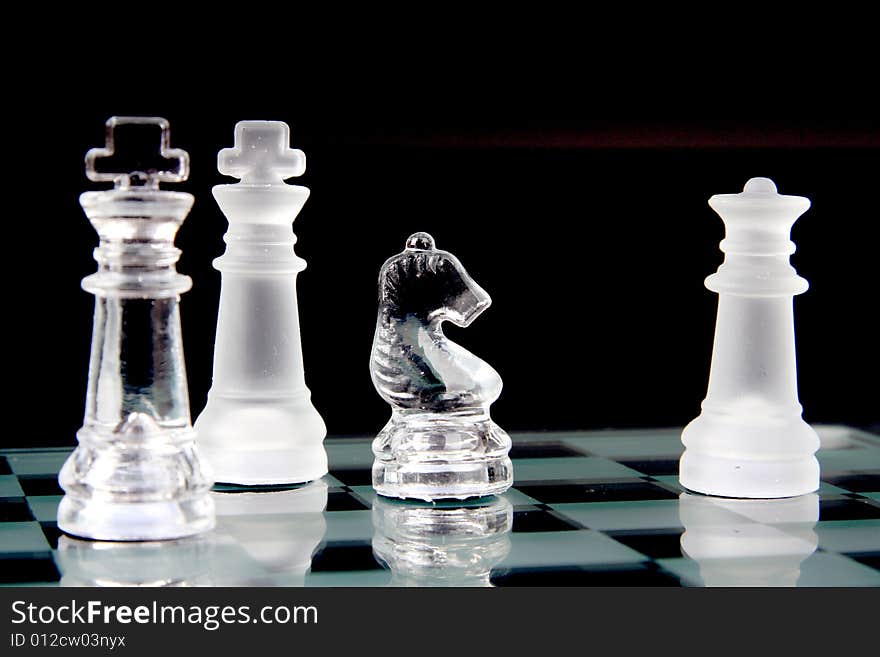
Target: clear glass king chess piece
x=440 y=441
x=749 y=542
x=136 y=474
x=442 y=544
x=259 y=426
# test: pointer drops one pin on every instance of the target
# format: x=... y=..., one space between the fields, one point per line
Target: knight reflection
x=442 y=544
x=440 y=441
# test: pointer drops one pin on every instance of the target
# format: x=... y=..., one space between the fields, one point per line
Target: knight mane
x=406 y=266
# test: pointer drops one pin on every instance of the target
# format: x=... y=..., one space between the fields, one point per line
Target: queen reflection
x=748 y=542
x=444 y=543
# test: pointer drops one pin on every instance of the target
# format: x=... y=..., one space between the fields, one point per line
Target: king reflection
x=264 y=538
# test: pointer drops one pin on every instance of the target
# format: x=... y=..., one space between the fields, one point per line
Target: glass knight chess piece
x=136 y=473
x=440 y=441
x=750 y=439
x=259 y=426
x=442 y=544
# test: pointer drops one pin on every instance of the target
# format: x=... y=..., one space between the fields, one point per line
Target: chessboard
x=587 y=509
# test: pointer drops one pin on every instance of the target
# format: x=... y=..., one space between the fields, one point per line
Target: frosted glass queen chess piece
x=750 y=440
x=259 y=426
x=136 y=474
x=440 y=441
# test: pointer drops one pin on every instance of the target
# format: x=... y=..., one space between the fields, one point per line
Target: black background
x=592 y=235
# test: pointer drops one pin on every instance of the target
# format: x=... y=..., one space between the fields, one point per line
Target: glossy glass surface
x=600 y=508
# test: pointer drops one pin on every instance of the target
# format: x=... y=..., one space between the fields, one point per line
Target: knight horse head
x=425 y=283
x=414 y=365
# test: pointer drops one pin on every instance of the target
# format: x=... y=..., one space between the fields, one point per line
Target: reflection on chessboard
x=598 y=508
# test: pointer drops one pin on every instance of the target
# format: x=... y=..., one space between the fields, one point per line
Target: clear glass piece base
x=432 y=457
x=135 y=487
x=108 y=520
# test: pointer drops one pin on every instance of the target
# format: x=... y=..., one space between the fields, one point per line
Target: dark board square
x=542 y=450
x=343 y=501
x=14 y=509
x=629 y=576
x=52 y=533
x=628 y=491
x=36 y=485
x=4 y=466
x=847 y=509
x=654 y=543
x=20 y=569
x=870 y=559
x=866 y=482
x=354 y=477
x=654 y=467
x=335 y=557
x=539 y=520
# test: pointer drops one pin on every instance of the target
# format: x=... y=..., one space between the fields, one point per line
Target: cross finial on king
x=262 y=154
x=129 y=157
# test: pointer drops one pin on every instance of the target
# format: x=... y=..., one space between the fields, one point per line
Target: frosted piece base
x=749 y=460
x=430 y=457
x=108 y=520
x=723 y=477
x=266 y=467
x=259 y=443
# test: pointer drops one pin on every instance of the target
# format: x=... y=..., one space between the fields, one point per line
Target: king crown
x=261 y=154
x=131 y=161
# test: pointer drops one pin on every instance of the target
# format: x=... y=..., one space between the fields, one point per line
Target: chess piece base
x=107 y=520
x=431 y=456
x=290 y=435
x=780 y=459
x=136 y=486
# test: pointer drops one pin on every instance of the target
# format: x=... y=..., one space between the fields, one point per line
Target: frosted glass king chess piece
x=136 y=474
x=259 y=426
x=440 y=441
x=750 y=439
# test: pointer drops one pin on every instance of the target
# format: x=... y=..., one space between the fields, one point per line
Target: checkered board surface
x=590 y=508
